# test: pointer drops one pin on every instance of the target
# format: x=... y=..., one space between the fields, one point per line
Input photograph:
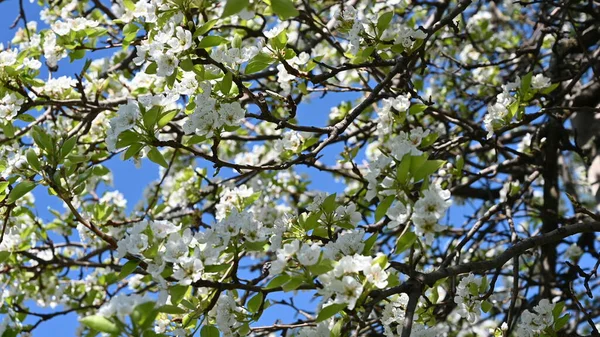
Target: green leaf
x=278 y=281
x=26 y=117
x=337 y=329
x=172 y=309
x=234 y=7
x=285 y=9
x=157 y=157
x=177 y=293
x=383 y=207
x=68 y=146
x=255 y=302
x=33 y=160
x=484 y=284
x=211 y=41
x=128 y=268
x=526 y=84
x=255 y=66
x=3 y=185
x=20 y=190
x=167 y=117
x=512 y=109
x=557 y=310
x=550 y=89
x=330 y=311
x=151 y=69
x=150 y=117
x=132 y=150
x=209 y=331
x=321 y=268
x=383 y=22
x=429 y=139
x=226 y=83
x=561 y=322
x=127 y=138
x=100 y=323
x=428 y=168
x=204 y=28
x=403 y=169
x=405 y=241
x=41 y=138
x=473 y=289
x=369 y=243
x=4 y=256
x=312 y=221
x=130 y=28
x=76 y=55
x=144 y=315
x=486 y=306
x=187 y=65
x=329 y=205
x=416 y=108
x=293 y=284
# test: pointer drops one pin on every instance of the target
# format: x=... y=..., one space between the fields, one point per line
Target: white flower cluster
x=573 y=252
x=230 y=198
x=344 y=280
x=398 y=213
x=208 y=118
x=57 y=87
x=291 y=141
x=226 y=314
x=405 y=143
x=348 y=242
x=349 y=15
x=284 y=78
x=406 y=36
x=385 y=122
x=467 y=298
x=52 y=51
x=166 y=45
x=428 y=210
x=174 y=247
x=540 y=81
x=8 y=57
x=63 y=28
x=534 y=323
x=235 y=56
x=10 y=105
x=308 y=255
x=127 y=117
x=498 y=112
x=394 y=314
x=122 y=305
x=375 y=169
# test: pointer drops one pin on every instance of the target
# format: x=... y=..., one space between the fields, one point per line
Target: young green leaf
x=234 y=7
x=157 y=157
x=209 y=331
x=255 y=302
x=20 y=190
x=285 y=9
x=128 y=268
x=405 y=241
x=100 y=323
x=383 y=207
x=330 y=311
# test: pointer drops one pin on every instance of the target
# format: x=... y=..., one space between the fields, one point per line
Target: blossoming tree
x=466 y=210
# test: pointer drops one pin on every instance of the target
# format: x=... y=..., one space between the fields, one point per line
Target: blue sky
x=131 y=181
